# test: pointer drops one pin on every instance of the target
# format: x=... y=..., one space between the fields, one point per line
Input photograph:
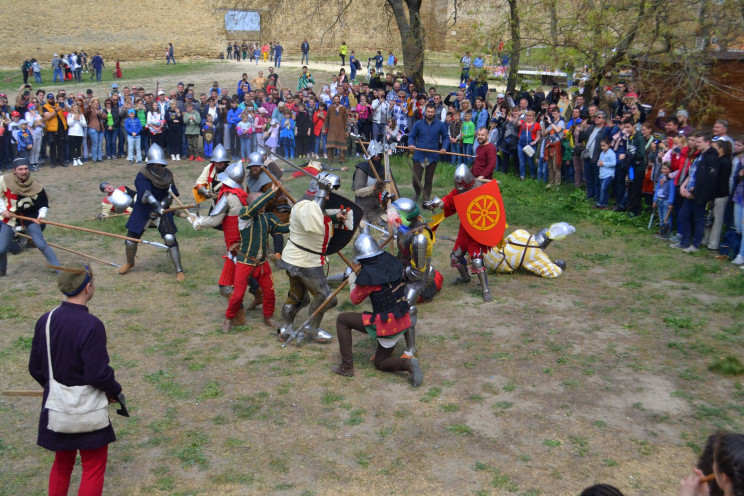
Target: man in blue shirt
x=98 y=65
x=431 y=134
x=478 y=62
x=278 y=50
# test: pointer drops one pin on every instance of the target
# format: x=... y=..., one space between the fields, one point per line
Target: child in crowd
x=259 y=126
x=192 y=121
x=287 y=134
x=133 y=128
x=664 y=199
x=321 y=134
x=208 y=132
x=468 y=136
x=607 y=162
x=245 y=131
x=455 y=135
x=493 y=132
x=25 y=140
x=272 y=136
x=76 y=132
x=393 y=133
x=13 y=127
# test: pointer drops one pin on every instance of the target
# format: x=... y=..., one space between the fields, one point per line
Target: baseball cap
x=462 y=85
x=500 y=95
x=683 y=113
x=114 y=86
x=50 y=96
x=22 y=121
x=161 y=92
x=31 y=107
x=15 y=113
x=130 y=111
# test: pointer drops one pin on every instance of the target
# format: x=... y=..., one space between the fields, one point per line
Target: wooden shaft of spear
x=84 y=229
x=53 y=245
x=21 y=392
x=279 y=185
x=108 y=216
x=430 y=151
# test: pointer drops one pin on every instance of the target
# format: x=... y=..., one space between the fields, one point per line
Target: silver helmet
x=156 y=155
x=407 y=208
x=233 y=176
x=103 y=186
x=464 y=179
x=263 y=153
x=255 y=158
x=365 y=247
x=328 y=181
x=543 y=238
x=219 y=154
x=120 y=201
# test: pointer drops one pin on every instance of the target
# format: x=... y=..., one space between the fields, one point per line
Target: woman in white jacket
x=76 y=125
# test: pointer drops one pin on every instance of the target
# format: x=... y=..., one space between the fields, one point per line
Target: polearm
x=366 y=155
x=23 y=392
x=429 y=151
x=73 y=251
x=278 y=184
x=183 y=207
x=172 y=209
x=92 y=231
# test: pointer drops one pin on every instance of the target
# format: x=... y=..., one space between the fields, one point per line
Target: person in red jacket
x=485 y=156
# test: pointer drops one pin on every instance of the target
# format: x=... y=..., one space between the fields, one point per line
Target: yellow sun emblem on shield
x=483 y=212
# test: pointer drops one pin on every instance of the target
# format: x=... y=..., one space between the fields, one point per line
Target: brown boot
x=239 y=318
x=257 y=299
x=340 y=370
x=125 y=268
x=226 y=325
x=180 y=276
x=269 y=321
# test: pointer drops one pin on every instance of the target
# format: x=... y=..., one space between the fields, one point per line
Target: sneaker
x=739 y=260
x=178 y=157
x=690 y=249
x=677 y=245
x=191 y=157
x=675 y=238
x=199 y=159
x=173 y=157
x=325 y=155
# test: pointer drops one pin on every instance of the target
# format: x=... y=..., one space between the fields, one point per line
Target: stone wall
x=141 y=30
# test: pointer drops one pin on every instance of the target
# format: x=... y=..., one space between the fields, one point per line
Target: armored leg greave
x=480 y=270
x=412 y=295
x=130 y=248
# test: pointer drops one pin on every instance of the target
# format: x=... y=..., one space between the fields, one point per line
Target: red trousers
x=94 y=468
x=262 y=273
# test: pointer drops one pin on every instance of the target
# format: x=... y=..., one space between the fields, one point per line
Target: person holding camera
x=555 y=126
x=56 y=127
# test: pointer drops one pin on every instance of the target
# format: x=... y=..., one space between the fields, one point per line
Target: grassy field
x=615 y=372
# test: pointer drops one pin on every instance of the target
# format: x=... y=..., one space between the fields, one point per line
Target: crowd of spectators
x=602 y=143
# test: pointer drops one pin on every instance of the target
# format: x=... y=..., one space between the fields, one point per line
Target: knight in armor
x=117 y=200
x=230 y=200
x=155 y=182
x=524 y=250
x=259 y=182
x=464 y=181
x=255 y=228
x=415 y=245
x=21 y=194
x=379 y=279
x=208 y=184
x=367 y=186
x=311 y=227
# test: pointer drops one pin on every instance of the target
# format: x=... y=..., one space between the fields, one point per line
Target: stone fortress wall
x=141 y=29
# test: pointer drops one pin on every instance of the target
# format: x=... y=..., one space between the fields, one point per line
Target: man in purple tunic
x=79 y=357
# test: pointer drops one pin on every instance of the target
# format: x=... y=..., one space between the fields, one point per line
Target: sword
x=375 y=227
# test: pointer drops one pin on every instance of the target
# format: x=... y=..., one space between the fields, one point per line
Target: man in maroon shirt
x=485 y=156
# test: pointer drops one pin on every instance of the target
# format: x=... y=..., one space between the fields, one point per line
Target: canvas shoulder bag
x=73 y=409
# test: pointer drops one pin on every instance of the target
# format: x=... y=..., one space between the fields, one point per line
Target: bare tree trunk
x=516 y=39
x=411 y=36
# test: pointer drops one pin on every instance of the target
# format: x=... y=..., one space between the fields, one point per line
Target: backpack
x=395 y=60
x=358 y=64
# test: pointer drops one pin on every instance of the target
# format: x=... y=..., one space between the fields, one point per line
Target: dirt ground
x=553 y=386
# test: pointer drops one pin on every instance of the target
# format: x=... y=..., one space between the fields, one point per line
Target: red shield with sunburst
x=481 y=212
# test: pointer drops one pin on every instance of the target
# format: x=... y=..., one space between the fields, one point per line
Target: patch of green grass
x=356 y=417
x=363 y=459
x=504 y=405
x=524 y=457
x=212 y=390
x=609 y=462
x=727 y=365
x=449 y=407
x=280 y=465
x=696 y=273
x=551 y=443
x=9 y=312
x=330 y=397
x=509 y=387
x=166 y=383
x=482 y=467
x=460 y=430
x=193 y=453
x=475 y=398
x=581 y=444
x=431 y=394
x=233 y=476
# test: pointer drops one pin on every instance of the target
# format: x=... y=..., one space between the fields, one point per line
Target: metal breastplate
x=404 y=247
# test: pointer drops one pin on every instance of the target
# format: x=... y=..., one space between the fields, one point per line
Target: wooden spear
x=429 y=151
x=74 y=252
x=92 y=231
